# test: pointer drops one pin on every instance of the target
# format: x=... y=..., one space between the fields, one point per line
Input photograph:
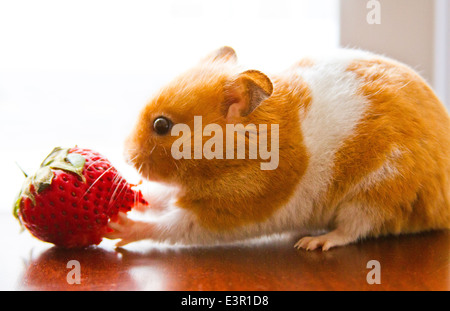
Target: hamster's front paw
x=128 y=230
x=325 y=241
x=158 y=196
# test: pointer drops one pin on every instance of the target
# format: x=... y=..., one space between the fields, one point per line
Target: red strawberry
x=70 y=199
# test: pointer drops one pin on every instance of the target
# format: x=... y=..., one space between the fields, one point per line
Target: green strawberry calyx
x=59 y=158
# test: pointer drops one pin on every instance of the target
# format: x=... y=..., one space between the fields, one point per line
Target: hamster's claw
x=325 y=241
x=310 y=243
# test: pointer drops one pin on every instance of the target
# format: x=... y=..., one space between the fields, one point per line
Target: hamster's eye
x=162 y=125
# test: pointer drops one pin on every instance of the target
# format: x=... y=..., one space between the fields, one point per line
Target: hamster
x=363 y=147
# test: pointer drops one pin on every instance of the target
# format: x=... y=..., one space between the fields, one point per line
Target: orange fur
x=218 y=195
x=215 y=190
x=404 y=116
x=396 y=163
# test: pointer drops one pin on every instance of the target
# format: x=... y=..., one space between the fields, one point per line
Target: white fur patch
x=331 y=118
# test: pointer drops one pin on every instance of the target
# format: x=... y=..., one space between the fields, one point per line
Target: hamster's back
x=376 y=133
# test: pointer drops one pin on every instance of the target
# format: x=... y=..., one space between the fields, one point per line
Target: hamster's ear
x=224 y=54
x=244 y=93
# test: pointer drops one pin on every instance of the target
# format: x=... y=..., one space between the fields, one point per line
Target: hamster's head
x=215 y=92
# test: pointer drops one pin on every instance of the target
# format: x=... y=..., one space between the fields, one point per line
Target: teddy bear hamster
x=354 y=145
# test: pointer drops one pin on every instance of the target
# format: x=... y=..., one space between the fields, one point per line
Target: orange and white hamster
x=363 y=151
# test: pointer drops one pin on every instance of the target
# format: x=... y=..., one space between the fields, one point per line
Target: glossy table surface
x=412 y=262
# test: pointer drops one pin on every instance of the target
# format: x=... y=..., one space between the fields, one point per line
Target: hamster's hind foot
x=324 y=241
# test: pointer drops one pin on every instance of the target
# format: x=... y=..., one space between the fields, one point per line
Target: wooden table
x=414 y=262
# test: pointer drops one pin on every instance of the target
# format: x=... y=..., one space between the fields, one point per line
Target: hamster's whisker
x=116 y=178
x=153 y=149
x=115 y=190
x=116 y=181
x=124 y=186
x=93 y=163
x=176 y=165
x=164 y=148
x=93 y=184
x=131 y=161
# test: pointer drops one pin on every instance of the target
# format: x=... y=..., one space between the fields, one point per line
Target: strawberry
x=71 y=198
